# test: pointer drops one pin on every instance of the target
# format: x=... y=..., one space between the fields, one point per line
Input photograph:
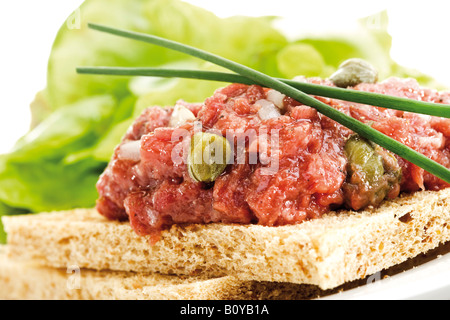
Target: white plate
x=430 y=281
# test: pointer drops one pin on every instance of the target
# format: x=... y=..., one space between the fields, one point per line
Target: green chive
x=362 y=129
x=369 y=98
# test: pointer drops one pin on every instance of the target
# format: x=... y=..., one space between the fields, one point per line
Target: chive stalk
x=363 y=97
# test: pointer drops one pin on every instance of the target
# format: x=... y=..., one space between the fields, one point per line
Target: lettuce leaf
x=49 y=185
x=34 y=175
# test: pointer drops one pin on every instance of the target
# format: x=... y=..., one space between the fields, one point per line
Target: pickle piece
x=208 y=157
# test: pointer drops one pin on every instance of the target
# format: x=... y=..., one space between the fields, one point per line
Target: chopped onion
x=180 y=116
x=130 y=151
x=268 y=110
x=277 y=98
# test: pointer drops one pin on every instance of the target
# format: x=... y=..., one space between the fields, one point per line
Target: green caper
x=353 y=72
x=373 y=174
x=208 y=157
x=362 y=156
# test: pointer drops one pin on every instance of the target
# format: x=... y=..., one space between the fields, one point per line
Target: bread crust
x=327 y=252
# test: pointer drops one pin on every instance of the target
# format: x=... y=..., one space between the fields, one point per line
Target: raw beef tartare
x=288 y=163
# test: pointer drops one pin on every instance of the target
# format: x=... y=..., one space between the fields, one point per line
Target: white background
x=420 y=30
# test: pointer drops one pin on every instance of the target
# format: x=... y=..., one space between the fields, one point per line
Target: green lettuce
x=78 y=120
x=35 y=175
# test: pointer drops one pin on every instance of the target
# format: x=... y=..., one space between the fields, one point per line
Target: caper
x=373 y=174
x=362 y=156
x=353 y=72
x=208 y=157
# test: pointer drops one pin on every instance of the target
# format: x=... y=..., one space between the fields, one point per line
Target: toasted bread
x=30 y=281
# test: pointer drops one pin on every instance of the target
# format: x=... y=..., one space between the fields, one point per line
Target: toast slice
x=327 y=252
x=27 y=280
